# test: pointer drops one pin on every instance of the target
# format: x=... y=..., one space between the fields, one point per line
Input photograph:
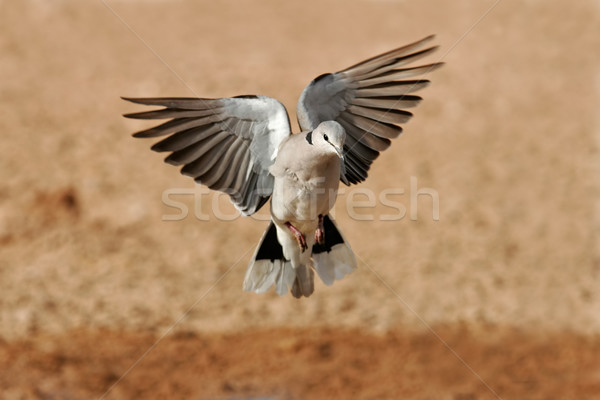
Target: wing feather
x=394 y=88
x=373 y=63
x=231 y=159
x=388 y=103
x=189 y=155
x=183 y=139
x=180 y=103
x=389 y=116
x=199 y=167
x=215 y=177
x=392 y=64
x=372 y=141
x=171 y=113
x=398 y=74
x=176 y=125
x=377 y=128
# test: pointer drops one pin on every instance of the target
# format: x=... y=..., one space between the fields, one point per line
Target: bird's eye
x=326 y=137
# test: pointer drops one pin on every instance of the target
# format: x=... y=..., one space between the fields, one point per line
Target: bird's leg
x=299 y=236
x=320 y=232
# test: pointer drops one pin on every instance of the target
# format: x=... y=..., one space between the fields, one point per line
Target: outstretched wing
x=368 y=99
x=226 y=144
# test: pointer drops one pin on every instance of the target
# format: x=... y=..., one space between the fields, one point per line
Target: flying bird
x=243 y=146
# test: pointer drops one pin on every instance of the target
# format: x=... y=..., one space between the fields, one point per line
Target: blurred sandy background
x=508 y=278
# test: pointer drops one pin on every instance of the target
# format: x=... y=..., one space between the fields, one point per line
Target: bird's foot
x=320 y=232
x=298 y=235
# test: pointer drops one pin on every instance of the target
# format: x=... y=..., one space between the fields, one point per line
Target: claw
x=320 y=232
x=299 y=236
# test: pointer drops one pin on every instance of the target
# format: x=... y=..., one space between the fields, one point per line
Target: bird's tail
x=269 y=267
x=332 y=260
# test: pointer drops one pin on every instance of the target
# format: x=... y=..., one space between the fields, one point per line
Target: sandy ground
x=273 y=364
x=91 y=275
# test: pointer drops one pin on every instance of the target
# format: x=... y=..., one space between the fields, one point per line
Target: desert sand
x=103 y=297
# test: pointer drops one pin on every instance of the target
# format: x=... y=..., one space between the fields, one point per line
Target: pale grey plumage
x=243 y=146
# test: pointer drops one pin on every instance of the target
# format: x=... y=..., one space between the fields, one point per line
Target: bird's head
x=330 y=137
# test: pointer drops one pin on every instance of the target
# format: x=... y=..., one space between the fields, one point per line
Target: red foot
x=299 y=236
x=320 y=232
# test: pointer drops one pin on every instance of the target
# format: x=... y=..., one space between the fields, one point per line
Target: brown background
x=497 y=298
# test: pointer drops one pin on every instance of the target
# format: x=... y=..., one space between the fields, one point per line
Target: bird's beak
x=339 y=151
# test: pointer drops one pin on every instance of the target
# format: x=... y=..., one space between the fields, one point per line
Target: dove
x=244 y=146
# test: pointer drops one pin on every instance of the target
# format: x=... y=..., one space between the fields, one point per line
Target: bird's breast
x=305 y=194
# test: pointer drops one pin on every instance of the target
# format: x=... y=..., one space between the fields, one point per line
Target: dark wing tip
x=136 y=100
x=426 y=39
x=132 y=100
x=159 y=147
x=136 y=115
x=434 y=66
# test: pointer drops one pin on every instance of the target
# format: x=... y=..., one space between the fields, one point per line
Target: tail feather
x=285 y=278
x=334 y=259
x=269 y=267
x=304 y=285
x=262 y=276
